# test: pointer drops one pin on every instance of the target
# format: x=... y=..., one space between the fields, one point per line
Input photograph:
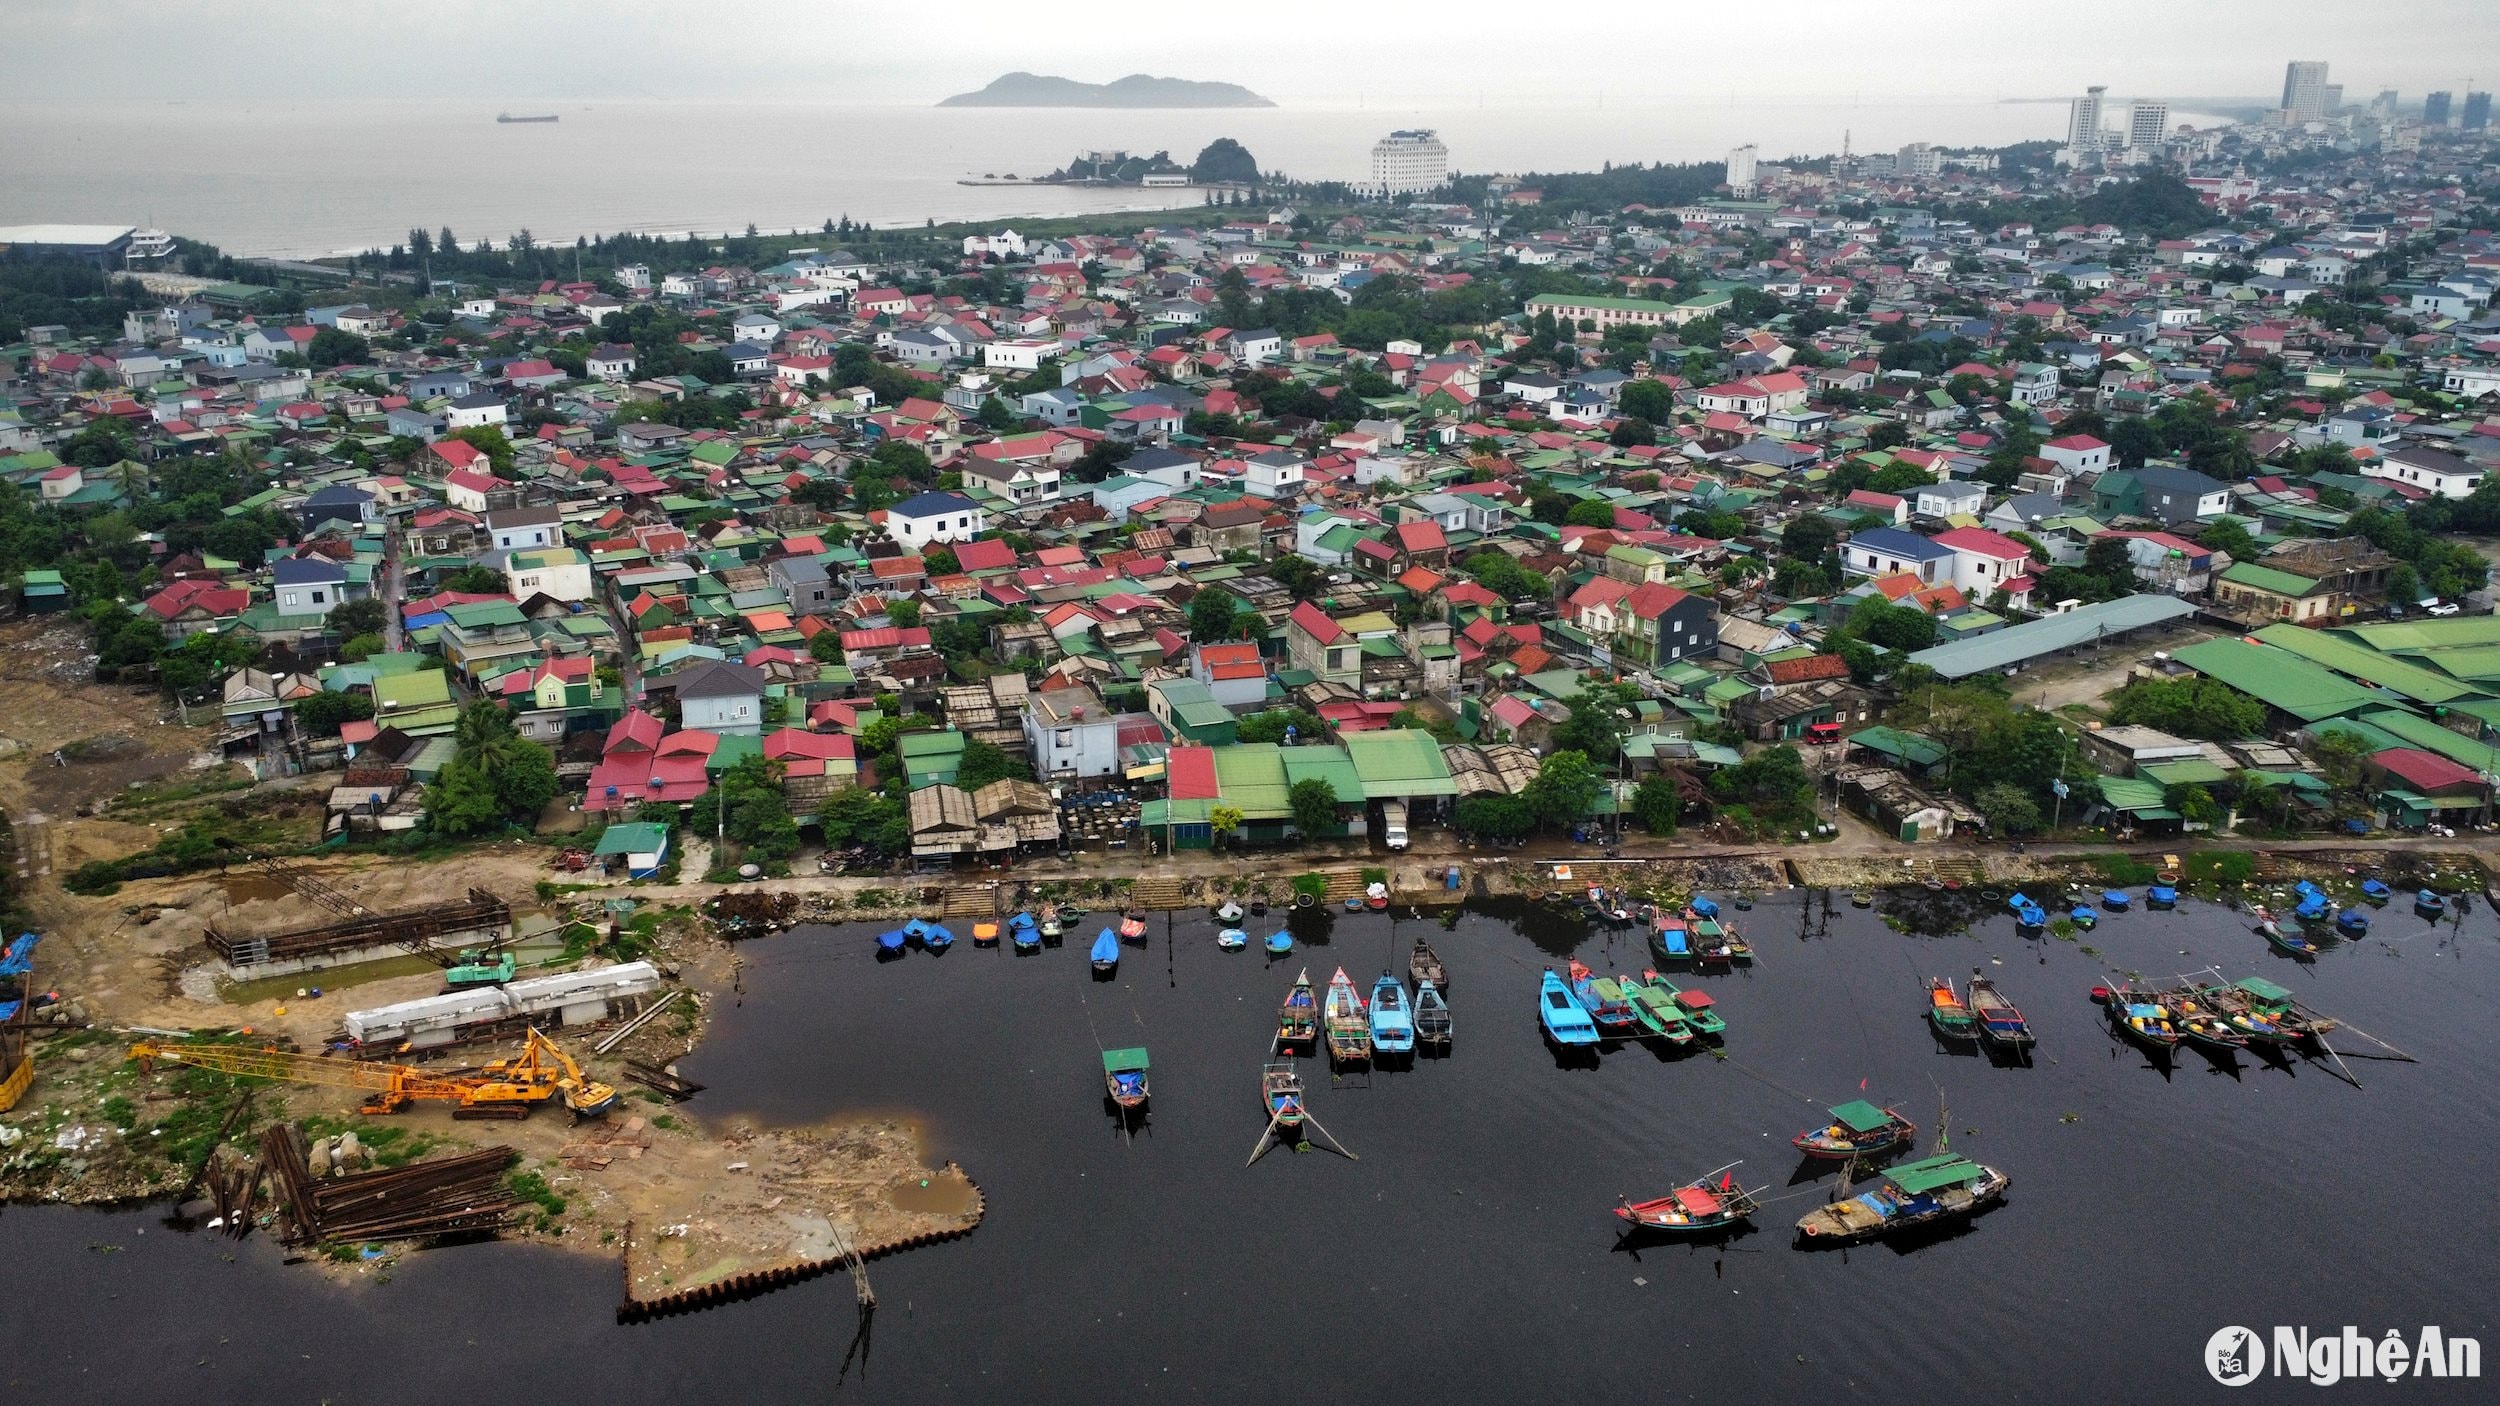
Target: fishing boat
x=1857 y=1129
x=1228 y=912
x=1565 y=1022
x=2115 y=900
x=1133 y=927
x=1433 y=1025
x=1342 y=1019
x=1700 y=1012
x=985 y=934
x=2376 y=890
x=2161 y=896
x=1712 y=942
x=1050 y=921
x=1703 y=906
x=2000 y=1024
x=1124 y=1078
x=1297 y=1020
x=1280 y=1094
x=2282 y=1015
x=1948 y=1012
x=2027 y=914
x=2295 y=943
x=1258 y=907
x=1698 y=1207
x=1023 y=935
x=2082 y=916
x=2203 y=1024
x=1279 y=942
x=1605 y=1002
x=1376 y=896
x=1393 y=1021
x=1862 y=898
x=1654 y=1006
x=2313 y=908
x=2137 y=1016
x=933 y=936
x=1609 y=906
x=1916 y=1193
x=1671 y=941
x=2235 y=1009
x=1106 y=954
x=1232 y=939
x=891 y=942
x=2428 y=904
x=1425 y=968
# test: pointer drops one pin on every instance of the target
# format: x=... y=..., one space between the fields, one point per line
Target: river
x=1468 y=1253
x=270 y=176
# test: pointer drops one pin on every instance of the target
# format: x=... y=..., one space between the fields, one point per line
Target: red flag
x=1862 y=1085
x=1727 y=1181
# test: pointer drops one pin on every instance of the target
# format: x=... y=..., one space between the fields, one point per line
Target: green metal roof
x=633 y=837
x=1114 y=1061
x=1901 y=746
x=2408 y=636
x=2368 y=665
x=2418 y=731
x=2266 y=578
x=1860 y=1116
x=1934 y=1173
x=1399 y=762
x=2283 y=679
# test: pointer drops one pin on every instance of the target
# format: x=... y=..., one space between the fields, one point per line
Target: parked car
x=2439 y=607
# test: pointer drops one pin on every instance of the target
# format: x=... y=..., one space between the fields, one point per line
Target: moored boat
x=1232 y=939
x=2352 y=922
x=2138 y=1016
x=2000 y=1023
x=2161 y=896
x=1376 y=896
x=1106 y=953
x=1671 y=941
x=1228 y=912
x=1133 y=927
x=1124 y=1078
x=2376 y=890
x=2428 y=904
x=1604 y=1000
x=1857 y=1129
x=2027 y=913
x=1433 y=1023
x=1916 y=1193
x=1564 y=1021
x=891 y=942
x=1050 y=921
x=1426 y=966
x=1393 y=1022
x=1711 y=941
x=933 y=936
x=2115 y=900
x=985 y=934
x=1297 y=1020
x=1700 y=1012
x=2082 y=916
x=1342 y=1020
x=1655 y=1008
x=2287 y=940
x=1698 y=1207
x=1279 y=942
x=1280 y=1094
x=2263 y=999
x=2202 y=1024
x=1023 y=935
x=1948 y=1012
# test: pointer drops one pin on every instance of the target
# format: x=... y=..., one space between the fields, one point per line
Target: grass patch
x=533 y=1188
x=2123 y=869
x=2226 y=866
x=666 y=1124
x=1315 y=885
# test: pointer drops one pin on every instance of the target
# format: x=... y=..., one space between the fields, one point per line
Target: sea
x=1463 y=1249
x=308 y=179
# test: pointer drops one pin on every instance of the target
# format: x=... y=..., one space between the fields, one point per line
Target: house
x=2435 y=471
x=1254 y=347
x=718 y=696
x=558 y=573
x=1947 y=500
x=1234 y=674
x=2078 y=454
x=513 y=529
x=640 y=846
x=1887 y=551
x=1070 y=734
x=2167 y=495
x=2249 y=592
x=309 y=585
x=803 y=583
x=476 y=410
x=1985 y=563
x=610 y=362
x=1278 y=473
x=1657 y=624
x=1315 y=642
x=924 y=518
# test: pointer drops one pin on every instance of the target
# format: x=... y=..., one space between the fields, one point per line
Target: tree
x=940 y=561
x=1566 y=786
x=1224 y=161
x=365 y=616
x=322 y=713
x=1495 y=817
x=2228 y=536
x=1213 y=615
x=460 y=800
x=1273 y=724
x=332 y=347
x=1300 y=576
x=2007 y=809
x=905 y=613
x=476 y=581
x=1590 y=512
x=1314 y=805
x=1658 y=803
x=1809 y=537
x=489 y=441
x=2190 y=707
x=356 y=648
x=984 y=762
x=1649 y=400
x=1773 y=783
x=1596 y=724
x=1500 y=572
x=1630 y=431
x=1223 y=821
x=854 y=815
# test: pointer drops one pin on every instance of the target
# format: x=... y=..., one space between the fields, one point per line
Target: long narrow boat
x=1857 y=1129
x=1297 y=1020
x=2262 y=998
x=1657 y=1011
x=1124 y=1078
x=1393 y=1022
x=1565 y=1023
x=1425 y=966
x=1280 y=1096
x=2000 y=1024
x=2139 y=1017
x=1106 y=954
x=1671 y=941
x=1948 y=1012
x=1698 y=1207
x=2287 y=940
x=1605 y=1002
x=1916 y=1193
x=1700 y=1012
x=1433 y=1024
x=1341 y=1017
x=2203 y=1024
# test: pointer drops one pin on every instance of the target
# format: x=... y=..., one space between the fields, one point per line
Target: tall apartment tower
x=2083 y=123
x=2477 y=112
x=2304 y=90
x=2147 y=124
x=1740 y=170
x=1409 y=163
x=2435 y=109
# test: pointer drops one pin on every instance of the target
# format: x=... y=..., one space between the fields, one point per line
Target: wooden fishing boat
x=2202 y=1024
x=1862 y=898
x=2260 y=997
x=1133 y=928
x=1700 y=1012
x=1857 y=1129
x=1611 y=907
x=1433 y=1025
x=1050 y=920
x=2376 y=890
x=1297 y=1020
x=1342 y=1019
x=1710 y=941
x=1232 y=939
x=1671 y=942
x=1228 y=912
x=1425 y=966
x=2290 y=941
x=1106 y=953
x=1124 y=1078
x=1654 y=1006
x=2238 y=1011
x=1376 y=896
x=2428 y=904
x=1948 y=1012
x=2027 y=914
x=2138 y=1016
x=1279 y=943
x=2352 y=922
x=1023 y=935
x=890 y=943
x=985 y=934
x=1698 y=1207
x=2000 y=1024
x=1916 y=1193
x=1280 y=1095
x=1393 y=1022
x=1565 y=1022
x=1605 y=1002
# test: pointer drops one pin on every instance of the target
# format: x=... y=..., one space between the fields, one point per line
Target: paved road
x=394 y=587
x=306 y=270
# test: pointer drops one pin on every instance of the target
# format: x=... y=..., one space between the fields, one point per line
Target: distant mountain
x=1136 y=90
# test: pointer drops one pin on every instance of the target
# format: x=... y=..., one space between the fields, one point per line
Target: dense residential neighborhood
x=2132 y=489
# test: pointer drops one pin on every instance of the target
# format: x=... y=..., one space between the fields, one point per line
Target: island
x=1136 y=90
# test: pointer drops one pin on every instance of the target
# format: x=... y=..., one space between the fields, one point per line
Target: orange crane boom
x=507 y=1088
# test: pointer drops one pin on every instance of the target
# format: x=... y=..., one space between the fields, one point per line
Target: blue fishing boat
x=890 y=942
x=1124 y=1079
x=2313 y=908
x=1565 y=1023
x=2161 y=896
x=2027 y=913
x=935 y=938
x=1232 y=939
x=1024 y=933
x=1393 y=1022
x=2115 y=900
x=1279 y=942
x=2376 y=891
x=1703 y=906
x=1106 y=954
x=2083 y=917
x=2352 y=922
x=1670 y=940
x=2428 y=903
x=1933 y=1189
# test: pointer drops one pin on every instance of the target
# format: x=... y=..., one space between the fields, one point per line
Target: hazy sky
x=1296 y=51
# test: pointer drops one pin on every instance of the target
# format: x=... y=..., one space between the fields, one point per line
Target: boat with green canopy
x=1857 y=1129
x=1932 y=1189
x=1124 y=1078
x=1700 y=1012
x=1655 y=1008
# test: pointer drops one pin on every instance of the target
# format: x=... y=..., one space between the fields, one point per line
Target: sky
x=1298 y=52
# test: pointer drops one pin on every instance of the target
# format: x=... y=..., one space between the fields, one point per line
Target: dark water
x=1468 y=1254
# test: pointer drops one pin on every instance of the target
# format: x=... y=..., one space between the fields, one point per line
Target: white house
x=1017 y=353
x=635 y=276
x=935 y=517
x=559 y=573
x=1985 y=562
x=1951 y=498
x=609 y=362
x=477 y=410
x=309 y=585
x=2472 y=382
x=1275 y=474
x=2438 y=470
x=755 y=327
x=519 y=529
x=1888 y=551
x=1071 y=734
x=2077 y=453
x=1006 y=244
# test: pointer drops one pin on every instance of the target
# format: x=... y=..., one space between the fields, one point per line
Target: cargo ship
x=508 y=117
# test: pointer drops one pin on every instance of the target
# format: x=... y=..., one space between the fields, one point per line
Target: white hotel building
x=1409 y=163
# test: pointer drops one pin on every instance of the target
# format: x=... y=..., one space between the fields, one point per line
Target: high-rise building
x=2383 y=106
x=2304 y=90
x=1407 y=163
x=2333 y=101
x=2435 y=109
x=2477 y=112
x=2147 y=124
x=1917 y=159
x=1740 y=170
x=2083 y=123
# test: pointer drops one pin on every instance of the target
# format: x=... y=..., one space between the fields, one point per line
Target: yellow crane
x=506 y=1088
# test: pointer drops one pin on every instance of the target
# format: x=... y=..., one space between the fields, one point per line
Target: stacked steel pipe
x=457 y=1195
